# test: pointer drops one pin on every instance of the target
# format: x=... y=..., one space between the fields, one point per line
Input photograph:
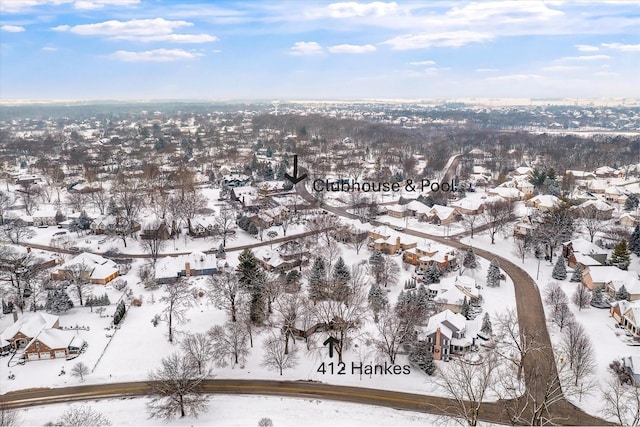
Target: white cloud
x=155 y=55
x=12 y=28
x=20 y=6
x=585 y=58
x=427 y=40
x=306 y=48
x=49 y=49
x=486 y=70
x=353 y=9
x=144 y=30
x=562 y=68
x=587 y=48
x=352 y=48
x=622 y=47
x=515 y=77
x=423 y=63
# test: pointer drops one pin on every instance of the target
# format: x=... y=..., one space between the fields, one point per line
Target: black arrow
x=331 y=341
x=295 y=178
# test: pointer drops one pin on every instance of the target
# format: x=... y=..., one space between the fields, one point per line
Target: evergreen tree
x=577 y=273
x=252 y=279
x=559 y=269
x=377 y=299
x=83 y=222
x=422 y=357
x=621 y=256
x=422 y=300
x=318 y=280
x=634 y=245
x=432 y=274
x=112 y=208
x=622 y=293
x=493 y=274
x=469 y=260
x=632 y=202
x=486 y=328
x=341 y=278
x=58 y=301
x=222 y=253
x=466 y=309
x=596 y=297
x=376 y=265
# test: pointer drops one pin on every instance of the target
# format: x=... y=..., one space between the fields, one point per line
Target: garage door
x=33 y=356
x=45 y=355
x=60 y=353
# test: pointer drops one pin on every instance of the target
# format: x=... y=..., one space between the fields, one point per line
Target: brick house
x=445 y=335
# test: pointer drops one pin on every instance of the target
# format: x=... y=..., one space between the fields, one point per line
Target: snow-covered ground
x=247 y=411
x=138 y=347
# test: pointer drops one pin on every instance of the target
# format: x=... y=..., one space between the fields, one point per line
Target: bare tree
x=343 y=317
x=517 y=344
x=178 y=299
x=555 y=226
x=563 y=316
x=470 y=222
x=522 y=246
x=21 y=270
x=392 y=333
x=80 y=370
x=357 y=239
x=5 y=202
x=176 y=388
x=225 y=225
x=77 y=276
x=153 y=242
x=581 y=297
x=229 y=342
x=466 y=383
x=82 y=415
x=224 y=292
x=276 y=357
x=579 y=353
x=594 y=222
x=198 y=348
x=557 y=300
x=621 y=402
x=289 y=308
x=17 y=231
x=9 y=417
x=497 y=214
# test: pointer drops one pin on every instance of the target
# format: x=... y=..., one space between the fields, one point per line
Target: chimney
x=15 y=316
x=187 y=269
x=28 y=250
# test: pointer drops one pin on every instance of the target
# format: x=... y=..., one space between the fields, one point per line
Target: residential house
x=390 y=244
x=423 y=256
x=507 y=193
x=53 y=344
x=453 y=292
x=582 y=251
x=44 y=216
x=113 y=225
x=631 y=284
x=416 y=209
x=443 y=215
x=599 y=276
x=154 y=228
x=396 y=211
x=170 y=269
x=628 y=219
x=93 y=268
x=27 y=327
x=615 y=194
x=445 y=335
x=468 y=206
x=627 y=314
x=595 y=209
x=543 y=202
x=289 y=255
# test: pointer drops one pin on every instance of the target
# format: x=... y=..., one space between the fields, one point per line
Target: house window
x=37 y=345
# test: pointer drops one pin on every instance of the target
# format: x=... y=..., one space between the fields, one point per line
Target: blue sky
x=155 y=49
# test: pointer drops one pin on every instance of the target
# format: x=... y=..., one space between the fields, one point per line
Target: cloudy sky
x=141 y=49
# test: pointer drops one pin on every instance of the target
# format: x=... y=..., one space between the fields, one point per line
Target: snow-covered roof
x=469 y=203
x=523 y=170
x=544 y=200
x=30 y=324
x=417 y=206
x=584 y=246
x=442 y=212
x=610 y=273
x=507 y=193
x=53 y=338
x=170 y=266
x=596 y=204
x=456 y=320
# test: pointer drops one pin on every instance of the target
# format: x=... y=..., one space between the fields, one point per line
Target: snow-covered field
x=247 y=411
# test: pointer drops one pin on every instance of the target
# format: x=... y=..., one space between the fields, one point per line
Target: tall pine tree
x=621 y=256
x=318 y=280
x=622 y=293
x=341 y=277
x=493 y=274
x=577 y=274
x=469 y=260
x=634 y=245
x=252 y=278
x=486 y=328
x=377 y=300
